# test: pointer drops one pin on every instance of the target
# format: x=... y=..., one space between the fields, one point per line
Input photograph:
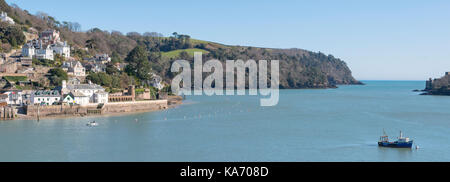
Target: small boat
x=402 y=142
x=92 y=123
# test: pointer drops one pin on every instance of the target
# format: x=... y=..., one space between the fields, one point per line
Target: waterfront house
x=45 y=97
x=75 y=98
x=3 y=99
x=68 y=99
x=15 y=97
x=101 y=97
x=80 y=98
x=94 y=92
x=74 y=68
x=5 y=18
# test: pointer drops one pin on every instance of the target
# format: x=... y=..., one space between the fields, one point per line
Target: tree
x=184 y=55
x=139 y=65
x=90 y=43
x=57 y=76
x=4 y=7
x=12 y=35
x=111 y=70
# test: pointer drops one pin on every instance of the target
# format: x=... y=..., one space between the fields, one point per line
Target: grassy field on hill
x=175 y=53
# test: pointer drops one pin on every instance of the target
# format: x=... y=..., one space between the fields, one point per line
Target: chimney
x=64 y=84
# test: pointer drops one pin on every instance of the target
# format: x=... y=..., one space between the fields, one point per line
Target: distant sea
x=341 y=124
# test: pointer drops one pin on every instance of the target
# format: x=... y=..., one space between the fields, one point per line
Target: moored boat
x=402 y=142
x=92 y=123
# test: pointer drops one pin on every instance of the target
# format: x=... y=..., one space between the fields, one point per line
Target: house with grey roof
x=45 y=97
x=94 y=92
x=74 y=68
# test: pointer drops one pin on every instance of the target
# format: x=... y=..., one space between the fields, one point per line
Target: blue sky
x=379 y=40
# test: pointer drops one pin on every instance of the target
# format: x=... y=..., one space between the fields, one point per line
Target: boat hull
x=396 y=144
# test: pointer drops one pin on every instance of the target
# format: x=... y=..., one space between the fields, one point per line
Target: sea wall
x=136 y=106
x=95 y=109
x=32 y=110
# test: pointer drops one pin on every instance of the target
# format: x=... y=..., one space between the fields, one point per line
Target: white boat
x=92 y=123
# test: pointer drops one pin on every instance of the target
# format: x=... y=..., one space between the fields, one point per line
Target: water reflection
x=389 y=154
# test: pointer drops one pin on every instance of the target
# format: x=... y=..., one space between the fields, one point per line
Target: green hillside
x=175 y=53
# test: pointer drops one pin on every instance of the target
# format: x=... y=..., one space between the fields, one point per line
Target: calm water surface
x=307 y=125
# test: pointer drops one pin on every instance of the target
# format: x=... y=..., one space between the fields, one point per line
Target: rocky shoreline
x=438 y=86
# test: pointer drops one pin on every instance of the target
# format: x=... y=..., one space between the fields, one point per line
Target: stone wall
x=135 y=106
x=107 y=108
x=33 y=110
x=143 y=96
x=9 y=67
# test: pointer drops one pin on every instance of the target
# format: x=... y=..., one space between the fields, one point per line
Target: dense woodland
x=151 y=52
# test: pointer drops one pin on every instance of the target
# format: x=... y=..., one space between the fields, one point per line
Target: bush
x=57 y=76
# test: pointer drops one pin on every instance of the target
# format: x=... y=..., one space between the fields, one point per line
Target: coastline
x=118 y=110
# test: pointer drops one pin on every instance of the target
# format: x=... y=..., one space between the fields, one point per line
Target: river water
x=341 y=124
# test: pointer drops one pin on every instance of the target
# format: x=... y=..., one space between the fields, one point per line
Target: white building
x=94 y=92
x=74 y=68
x=15 y=97
x=157 y=82
x=45 y=97
x=5 y=18
x=80 y=98
x=61 y=48
x=68 y=99
x=46 y=46
x=28 y=50
x=101 y=97
x=44 y=52
x=35 y=49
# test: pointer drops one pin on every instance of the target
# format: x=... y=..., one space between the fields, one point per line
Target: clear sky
x=379 y=40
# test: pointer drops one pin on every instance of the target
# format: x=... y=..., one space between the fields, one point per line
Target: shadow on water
x=401 y=154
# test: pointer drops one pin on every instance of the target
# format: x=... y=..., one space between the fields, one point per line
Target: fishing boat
x=402 y=142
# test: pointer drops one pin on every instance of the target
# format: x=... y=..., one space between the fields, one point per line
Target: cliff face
x=439 y=86
x=298 y=68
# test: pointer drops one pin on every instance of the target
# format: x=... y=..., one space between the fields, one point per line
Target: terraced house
x=45 y=97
